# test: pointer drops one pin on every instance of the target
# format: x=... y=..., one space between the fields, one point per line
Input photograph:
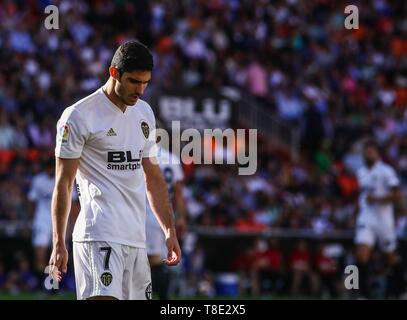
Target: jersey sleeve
x=392 y=179
x=71 y=135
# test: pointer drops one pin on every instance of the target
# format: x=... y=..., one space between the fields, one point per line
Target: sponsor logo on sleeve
x=63 y=133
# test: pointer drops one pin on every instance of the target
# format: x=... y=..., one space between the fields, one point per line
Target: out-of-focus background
x=313 y=89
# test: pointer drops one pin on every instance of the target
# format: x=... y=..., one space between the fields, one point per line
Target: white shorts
x=41 y=234
x=370 y=230
x=155 y=239
x=111 y=269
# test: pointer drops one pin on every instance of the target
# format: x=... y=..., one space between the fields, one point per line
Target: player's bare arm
x=65 y=170
x=157 y=194
x=355 y=198
x=181 y=221
x=393 y=197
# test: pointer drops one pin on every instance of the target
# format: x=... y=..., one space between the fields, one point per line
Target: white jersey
x=172 y=171
x=41 y=189
x=110 y=179
x=378 y=181
x=375 y=222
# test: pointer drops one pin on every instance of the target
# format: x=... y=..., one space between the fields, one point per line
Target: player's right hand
x=58 y=262
x=174 y=250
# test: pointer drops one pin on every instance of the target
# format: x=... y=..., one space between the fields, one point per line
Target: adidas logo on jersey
x=111 y=133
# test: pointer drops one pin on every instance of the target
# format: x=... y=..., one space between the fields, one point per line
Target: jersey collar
x=112 y=105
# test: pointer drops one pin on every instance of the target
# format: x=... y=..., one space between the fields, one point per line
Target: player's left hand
x=58 y=262
x=174 y=250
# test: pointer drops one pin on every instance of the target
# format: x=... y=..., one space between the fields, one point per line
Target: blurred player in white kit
x=379 y=190
x=156 y=249
x=40 y=195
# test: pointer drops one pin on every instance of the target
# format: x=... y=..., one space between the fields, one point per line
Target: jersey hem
x=140 y=245
x=68 y=156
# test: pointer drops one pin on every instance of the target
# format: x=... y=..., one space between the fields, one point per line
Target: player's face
x=371 y=155
x=131 y=85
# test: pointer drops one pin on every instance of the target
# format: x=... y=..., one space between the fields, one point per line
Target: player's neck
x=370 y=165
x=108 y=90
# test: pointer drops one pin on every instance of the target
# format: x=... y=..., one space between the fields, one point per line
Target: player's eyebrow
x=134 y=80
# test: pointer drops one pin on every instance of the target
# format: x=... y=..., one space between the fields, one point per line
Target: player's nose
x=140 y=89
x=139 y=92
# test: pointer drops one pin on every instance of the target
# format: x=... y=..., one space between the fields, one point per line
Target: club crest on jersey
x=106 y=278
x=64 y=133
x=145 y=128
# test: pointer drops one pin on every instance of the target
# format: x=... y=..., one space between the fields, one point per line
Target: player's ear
x=114 y=73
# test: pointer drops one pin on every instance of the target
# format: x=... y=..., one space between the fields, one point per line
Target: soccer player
x=161 y=275
x=40 y=195
x=379 y=190
x=106 y=141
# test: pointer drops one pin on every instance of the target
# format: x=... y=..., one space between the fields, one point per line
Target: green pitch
x=37 y=296
x=72 y=296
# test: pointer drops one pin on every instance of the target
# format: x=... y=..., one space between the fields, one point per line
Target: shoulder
x=387 y=169
x=80 y=109
x=145 y=109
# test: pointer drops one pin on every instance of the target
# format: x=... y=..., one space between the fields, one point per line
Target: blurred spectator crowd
x=293 y=57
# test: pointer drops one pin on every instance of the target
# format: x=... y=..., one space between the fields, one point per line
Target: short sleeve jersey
x=378 y=181
x=110 y=180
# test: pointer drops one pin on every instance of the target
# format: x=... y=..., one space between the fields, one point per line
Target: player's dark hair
x=370 y=143
x=132 y=56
